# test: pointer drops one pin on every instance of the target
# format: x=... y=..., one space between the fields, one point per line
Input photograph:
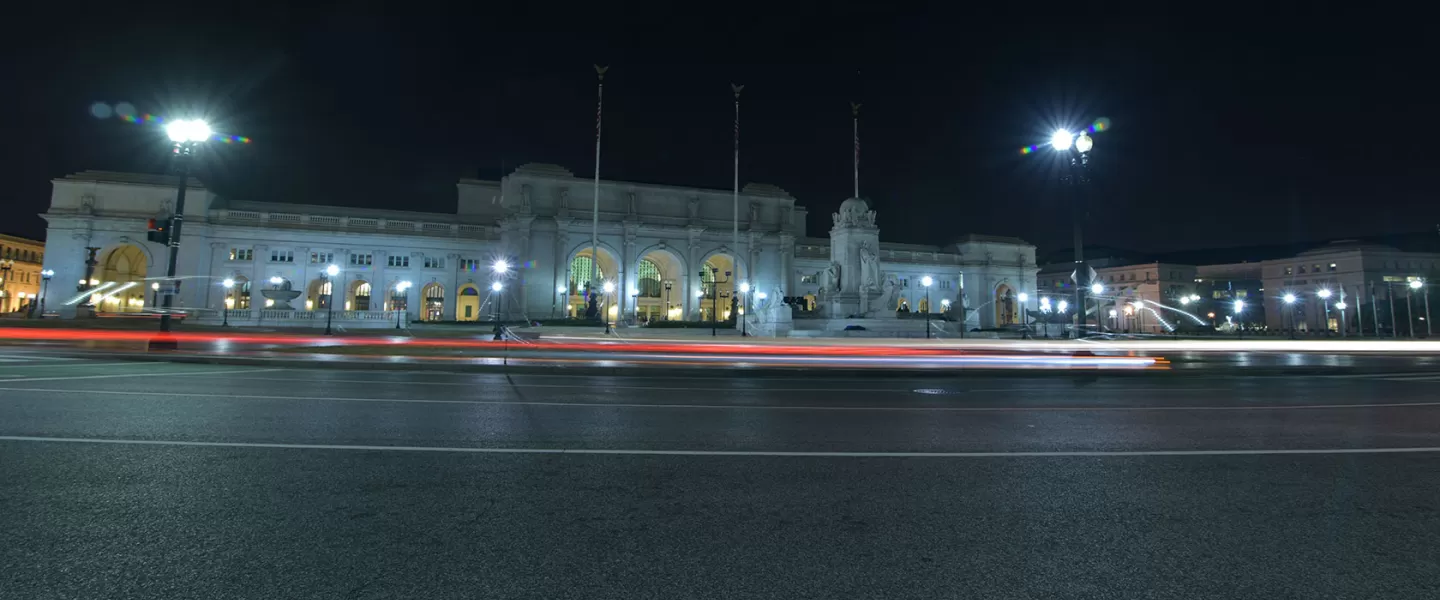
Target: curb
x=351 y=363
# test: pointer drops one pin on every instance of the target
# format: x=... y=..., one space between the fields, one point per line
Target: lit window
x=322 y=258
x=1289 y=270
x=434 y=262
x=1332 y=266
x=398 y=261
x=241 y=254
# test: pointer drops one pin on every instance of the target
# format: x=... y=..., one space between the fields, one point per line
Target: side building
x=21 y=283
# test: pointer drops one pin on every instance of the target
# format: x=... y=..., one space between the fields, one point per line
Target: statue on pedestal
x=832 y=277
x=869 y=269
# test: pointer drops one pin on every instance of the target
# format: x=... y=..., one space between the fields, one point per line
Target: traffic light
x=159 y=232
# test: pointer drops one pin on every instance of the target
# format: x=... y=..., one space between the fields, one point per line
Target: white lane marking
x=25 y=357
x=1064 y=387
x=68 y=365
x=737 y=453
x=146 y=374
x=798 y=407
x=1409 y=377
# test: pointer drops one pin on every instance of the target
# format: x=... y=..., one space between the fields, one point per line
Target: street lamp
x=1289 y=300
x=402 y=288
x=715 y=282
x=1239 y=326
x=1415 y=284
x=559 y=293
x=45 y=276
x=609 y=288
x=187 y=136
x=1324 y=295
x=225 y=304
x=927 y=281
x=1024 y=299
x=327 y=281
x=668 y=285
x=154 y=294
x=745 y=293
x=497 y=288
x=1429 y=330
x=1076 y=176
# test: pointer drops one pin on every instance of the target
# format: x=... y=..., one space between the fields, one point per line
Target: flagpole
x=735 y=190
x=595 y=203
x=855 y=128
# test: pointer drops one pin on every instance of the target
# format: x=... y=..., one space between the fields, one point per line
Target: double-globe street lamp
x=1289 y=300
x=609 y=288
x=187 y=136
x=927 y=281
x=745 y=290
x=498 y=269
x=1076 y=177
x=401 y=288
x=327 y=282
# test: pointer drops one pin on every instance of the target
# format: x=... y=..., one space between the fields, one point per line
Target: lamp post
x=225 y=304
x=1076 y=177
x=1324 y=295
x=927 y=281
x=1024 y=299
x=1239 y=325
x=1341 y=306
x=187 y=136
x=1289 y=300
x=714 y=295
x=496 y=287
x=745 y=292
x=668 y=285
x=327 y=282
x=155 y=294
x=560 y=291
x=45 y=276
x=1415 y=284
x=634 y=306
x=1096 y=289
x=609 y=288
x=402 y=287
x=1429 y=331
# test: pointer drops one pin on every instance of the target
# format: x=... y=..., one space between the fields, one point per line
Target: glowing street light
x=500 y=267
x=496 y=286
x=327 y=282
x=1062 y=140
x=927 y=281
x=1415 y=284
x=1323 y=293
x=1341 y=305
x=187 y=134
x=188 y=131
x=225 y=304
x=1096 y=288
x=399 y=312
x=1288 y=298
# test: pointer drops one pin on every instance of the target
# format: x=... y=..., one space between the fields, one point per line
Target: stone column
x=452 y=287
x=378 y=284
x=787 y=263
x=215 y=249
x=623 y=283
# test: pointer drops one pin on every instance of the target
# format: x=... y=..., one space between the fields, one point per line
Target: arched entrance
x=1005 y=305
x=318 y=296
x=123 y=267
x=717 y=288
x=581 y=271
x=397 y=299
x=659 y=281
x=467 y=303
x=358 y=296
x=434 y=295
x=238 y=296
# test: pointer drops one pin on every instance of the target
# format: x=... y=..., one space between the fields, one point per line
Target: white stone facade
x=538 y=218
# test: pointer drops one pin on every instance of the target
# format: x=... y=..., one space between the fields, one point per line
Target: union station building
x=667 y=252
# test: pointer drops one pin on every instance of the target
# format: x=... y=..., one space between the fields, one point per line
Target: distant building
x=1179 y=289
x=20 y=266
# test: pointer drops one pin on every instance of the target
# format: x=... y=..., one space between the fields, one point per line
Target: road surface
x=155 y=480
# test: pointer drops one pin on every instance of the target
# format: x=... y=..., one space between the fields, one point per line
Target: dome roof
x=854 y=205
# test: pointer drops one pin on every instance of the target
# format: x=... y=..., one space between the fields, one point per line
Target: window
x=398 y=261
x=1302 y=269
x=946 y=284
x=322 y=258
x=361 y=260
x=282 y=256
x=1317 y=269
x=1289 y=270
x=243 y=254
x=434 y=262
x=1332 y=267
x=649 y=279
x=807 y=279
x=469 y=264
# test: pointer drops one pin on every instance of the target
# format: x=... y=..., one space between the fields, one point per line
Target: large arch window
x=580 y=274
x=649 y=286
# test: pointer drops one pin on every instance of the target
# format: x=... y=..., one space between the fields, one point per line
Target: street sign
x=1091 y=271
x=169 y=287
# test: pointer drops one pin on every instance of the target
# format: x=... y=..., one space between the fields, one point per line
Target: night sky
x=1221 y=135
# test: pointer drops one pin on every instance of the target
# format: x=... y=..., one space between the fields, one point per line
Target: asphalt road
x=154 y=480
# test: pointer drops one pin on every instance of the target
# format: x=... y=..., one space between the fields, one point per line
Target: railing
x=250 y=217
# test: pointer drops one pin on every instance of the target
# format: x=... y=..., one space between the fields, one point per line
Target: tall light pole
x=1415 y=284
x=714 y=295
x=1289 y=300
x=1096 y=289
x=560 y=290
x=225 y=304
x=1429 y=329
x=187 y=136
x=595 y=203
x=1324 y=295
x=327 y=282
x=1023 y=298
x=402 y=287
x=45 y=276
x=1076 y=177
x=1342 y=306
